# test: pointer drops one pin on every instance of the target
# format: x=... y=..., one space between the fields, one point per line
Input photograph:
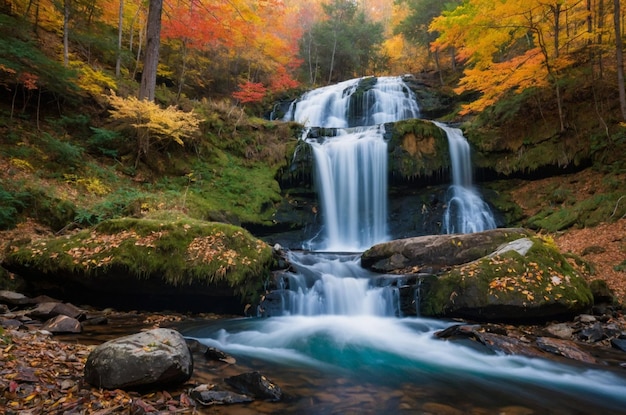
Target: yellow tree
x=151 y=123
x=513 y=45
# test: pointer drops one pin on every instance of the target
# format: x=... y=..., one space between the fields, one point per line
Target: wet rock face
x=148 y=359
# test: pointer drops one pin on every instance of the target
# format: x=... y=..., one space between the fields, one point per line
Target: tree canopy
x=251 y=51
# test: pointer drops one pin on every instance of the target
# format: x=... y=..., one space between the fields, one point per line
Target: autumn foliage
x=151 y=123
x=250 y=92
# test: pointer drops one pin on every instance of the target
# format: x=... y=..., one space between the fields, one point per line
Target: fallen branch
x=616 y=205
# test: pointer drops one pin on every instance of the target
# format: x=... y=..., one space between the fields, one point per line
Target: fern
x=10 y=206
x=104 y=141
x=62 y=152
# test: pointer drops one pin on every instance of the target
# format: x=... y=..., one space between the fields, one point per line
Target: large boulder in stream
x=154 y=358
x=496 y=275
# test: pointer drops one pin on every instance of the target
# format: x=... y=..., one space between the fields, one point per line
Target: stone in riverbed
x=13 y=298
x=62 y=324
x=564 y=348
x=255 y=384
x=153 y=358
x=619 y=344
x=209 y=395
x=560 y=330
x=47 y=310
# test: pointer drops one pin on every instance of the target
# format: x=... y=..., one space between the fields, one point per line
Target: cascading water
x=336 y=343
x=351 y=166
x=466 y=211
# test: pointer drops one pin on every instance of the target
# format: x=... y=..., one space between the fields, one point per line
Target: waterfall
x=351 y=175
x=466 y=211
x=351 y=166
x=335 y=336
x=334 y=284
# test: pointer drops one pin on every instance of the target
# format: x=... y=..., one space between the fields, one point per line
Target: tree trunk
x=151 y=59
x=438 y=66
x=66 y=33
x=600 y=26
x=183 y=70
x=139 y=45
x=120 y=27
x=332 y=59
x=619 y=55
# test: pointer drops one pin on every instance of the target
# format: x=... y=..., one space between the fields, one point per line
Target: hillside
x=67 y=164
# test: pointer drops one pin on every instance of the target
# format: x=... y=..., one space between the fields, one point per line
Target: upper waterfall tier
x=356 y=102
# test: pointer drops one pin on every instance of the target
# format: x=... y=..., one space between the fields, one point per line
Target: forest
x=112 y=109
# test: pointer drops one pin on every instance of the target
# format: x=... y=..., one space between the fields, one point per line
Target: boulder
x=148 y=359
x=536 y=284
x=255 y=384
x=433 y=253
x=62 y=324
x=48 y=310
x=209 y=395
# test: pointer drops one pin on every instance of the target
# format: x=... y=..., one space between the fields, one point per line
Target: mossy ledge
x=418 y=150
x=511 y=287
x=145 y=257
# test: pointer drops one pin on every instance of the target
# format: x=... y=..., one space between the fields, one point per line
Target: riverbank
x=43 y=374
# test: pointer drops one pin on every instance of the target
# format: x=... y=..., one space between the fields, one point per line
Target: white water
x=387 y=352
x=351 y=176
x=331 y=106
x=466 y=211
x=339 y=335
x=351 y=167
x=335 y=284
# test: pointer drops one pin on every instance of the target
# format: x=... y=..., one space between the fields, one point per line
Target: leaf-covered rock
x=149 y=261
x=539 y=284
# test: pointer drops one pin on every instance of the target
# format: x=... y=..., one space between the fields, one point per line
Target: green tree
x=343 y=45
x=414 y=27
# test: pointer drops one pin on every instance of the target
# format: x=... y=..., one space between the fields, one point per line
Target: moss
x=417 y=149
x=180 y=252
x=541 y=278
x=498 y=195
x=588 y=212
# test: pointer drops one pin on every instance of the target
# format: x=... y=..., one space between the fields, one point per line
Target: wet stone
x=255 y=384
x=619 y=344
x=564 y=348
x=592 y=334
x=207 y=396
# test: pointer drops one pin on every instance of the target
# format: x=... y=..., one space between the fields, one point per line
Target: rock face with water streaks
x=496 y=275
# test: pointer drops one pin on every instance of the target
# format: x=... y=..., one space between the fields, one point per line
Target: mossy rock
x=417 y=149
x=539 y=285
x=169 y=257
